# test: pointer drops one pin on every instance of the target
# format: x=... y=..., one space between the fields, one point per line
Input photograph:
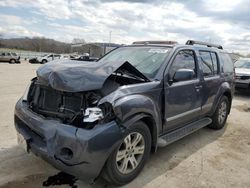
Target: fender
x=224 y=88
x=132 y=108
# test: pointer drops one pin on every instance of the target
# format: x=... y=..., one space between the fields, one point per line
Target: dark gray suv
x=104 y=118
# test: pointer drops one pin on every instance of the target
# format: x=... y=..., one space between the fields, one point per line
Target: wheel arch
x=150 y=123
x=225 y=90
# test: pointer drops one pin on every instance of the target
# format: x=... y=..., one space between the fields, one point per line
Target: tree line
x=37 y=44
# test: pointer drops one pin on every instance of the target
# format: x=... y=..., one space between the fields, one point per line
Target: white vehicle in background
x=67 y=56
x=46 y=58
x=242 y=71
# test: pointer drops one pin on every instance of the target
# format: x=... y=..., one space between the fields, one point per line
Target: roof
x=195 y=44
x=100 y=44
x=164 y=43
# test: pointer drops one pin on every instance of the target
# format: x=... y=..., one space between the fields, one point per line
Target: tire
x=114 y=172
x=12 y=61
x=219 y=117
x=44 y=61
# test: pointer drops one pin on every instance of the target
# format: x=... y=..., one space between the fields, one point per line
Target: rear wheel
x=129 y=158
x=220 y=116
x=12 y=61
x=44 y=61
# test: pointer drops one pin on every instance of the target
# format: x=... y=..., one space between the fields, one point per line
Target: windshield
x=146 y=59
x=243 y=64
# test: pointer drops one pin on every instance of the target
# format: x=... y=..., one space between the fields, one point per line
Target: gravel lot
x=206 y=158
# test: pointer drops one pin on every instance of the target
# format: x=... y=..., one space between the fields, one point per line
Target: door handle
x=198 y=87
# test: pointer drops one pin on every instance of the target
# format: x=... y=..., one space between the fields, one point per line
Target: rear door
x=8 y=56
x=211 y=81
x=2 y=54
x=182 y=99
x=50 y=58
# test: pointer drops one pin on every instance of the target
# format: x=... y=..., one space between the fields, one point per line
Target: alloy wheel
x=222 y=112
x=130 y=153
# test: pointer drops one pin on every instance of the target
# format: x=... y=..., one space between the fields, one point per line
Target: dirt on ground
x=206 y=158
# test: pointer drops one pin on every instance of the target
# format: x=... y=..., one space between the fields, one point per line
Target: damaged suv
x=104 y=118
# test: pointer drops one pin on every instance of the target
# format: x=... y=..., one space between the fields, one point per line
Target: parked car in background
x=242 y=73
x=50 y=57
x=85 y=58
x=33 y=60
x=67 y=56
x=105 y=118
x=46 y=58
x=9 y=57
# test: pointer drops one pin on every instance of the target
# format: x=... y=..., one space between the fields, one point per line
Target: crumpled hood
x=75 y=76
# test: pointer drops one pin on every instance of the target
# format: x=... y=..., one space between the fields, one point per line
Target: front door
x=182 y=98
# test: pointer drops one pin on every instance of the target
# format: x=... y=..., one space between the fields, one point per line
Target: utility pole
x=110 y=33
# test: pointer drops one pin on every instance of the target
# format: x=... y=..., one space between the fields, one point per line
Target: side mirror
x=183 y=75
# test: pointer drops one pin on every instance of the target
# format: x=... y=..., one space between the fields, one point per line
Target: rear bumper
x=48 y=139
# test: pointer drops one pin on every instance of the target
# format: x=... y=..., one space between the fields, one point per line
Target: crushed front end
x=61 y=117
x=67 y=129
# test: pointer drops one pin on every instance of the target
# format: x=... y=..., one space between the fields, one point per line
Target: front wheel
x=129 y=158
x=219 y=118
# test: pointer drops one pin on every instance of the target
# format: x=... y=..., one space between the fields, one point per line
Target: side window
x=227 y=63
x=215 y=62
x=185 y=59
x=207 y=63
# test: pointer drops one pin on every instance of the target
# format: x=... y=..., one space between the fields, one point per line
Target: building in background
x=95 y=49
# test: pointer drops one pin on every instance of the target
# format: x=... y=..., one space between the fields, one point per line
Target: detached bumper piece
x=79 y=152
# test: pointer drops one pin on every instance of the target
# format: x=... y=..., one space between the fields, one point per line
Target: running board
x=168 y=138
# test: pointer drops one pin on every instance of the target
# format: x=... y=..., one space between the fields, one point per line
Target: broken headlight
x=26 y=92
x=104 y=113
x=92 y=114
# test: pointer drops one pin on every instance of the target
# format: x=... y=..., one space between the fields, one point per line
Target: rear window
x=227 y=63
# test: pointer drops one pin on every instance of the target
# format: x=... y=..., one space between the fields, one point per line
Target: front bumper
x=48 y=139
x=245 y=84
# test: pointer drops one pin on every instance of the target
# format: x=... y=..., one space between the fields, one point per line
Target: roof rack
x=192 y=42
x=155 y=42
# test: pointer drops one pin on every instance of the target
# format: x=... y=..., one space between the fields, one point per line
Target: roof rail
x=192 y=42
x=155 y=42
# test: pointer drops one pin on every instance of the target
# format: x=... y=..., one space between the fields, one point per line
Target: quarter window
x=227 y=63
x=185 y=59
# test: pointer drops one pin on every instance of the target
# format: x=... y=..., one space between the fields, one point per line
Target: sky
x=225 y=22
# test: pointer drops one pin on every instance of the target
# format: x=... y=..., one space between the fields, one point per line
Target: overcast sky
x=226 y=22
